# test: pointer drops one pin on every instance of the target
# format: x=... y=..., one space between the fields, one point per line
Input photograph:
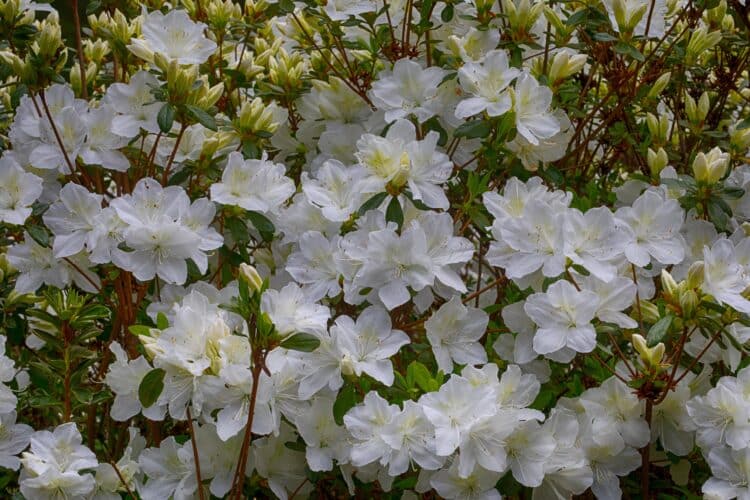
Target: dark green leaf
x=717 y=214
x=93 y=7
x=165 y=118
x=201 y=116
x=237 y=229
x=394 y=213
x=286 y=6
x=345 y=401
x=733 y=193
x=657 y=332
x=250 y=150
x=629 y=50
x=151 y=387
x=447 y=14
x=38 y=234
x=301 y=342
x=605 y=37
x=262 y=223
x=473 y=129
x=372 y=203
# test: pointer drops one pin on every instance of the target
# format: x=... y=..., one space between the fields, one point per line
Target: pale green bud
x=668 y=284
x=565 y=64
x=657 y=161
x=689 y=303
x=695 y=275
x=659 y=85
x=651 y=356
x=701 y=40
x=710 y=168
x=649 y=311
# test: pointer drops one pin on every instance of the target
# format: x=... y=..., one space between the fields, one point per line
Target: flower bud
x=50 y=39
x=689 y=303
x=628 y=14
x=668 y=284
x=740 y=140
x=659 y=85
x=149 y=344
x=656 y=161
x=565 y=64
x=522 y=15
x=658 y=128
x=649 y=311
x=710 y=168
x=651 y=356
x=700 y=40
x=695 y=275
x=96 y=51
x=250 y=276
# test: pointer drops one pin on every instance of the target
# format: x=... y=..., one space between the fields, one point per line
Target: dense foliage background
x=374 y=248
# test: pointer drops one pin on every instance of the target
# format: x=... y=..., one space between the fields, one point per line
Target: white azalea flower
x=564 y=317
x=454 y=331
x=18 y=191
x=655 y=223
x=258 y=185
x=531 y=103
x=486 y=83
x=408 y=89
x=174 y=36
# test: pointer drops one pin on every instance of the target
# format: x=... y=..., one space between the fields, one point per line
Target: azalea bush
x=383 y=249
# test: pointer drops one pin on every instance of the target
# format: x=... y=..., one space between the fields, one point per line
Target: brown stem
x=67 y=334
x=165 y=175
x=122 y=479
x=79 y=49
x=238 y=480
x=645 y=455
x=70 y=164
x=699 y=356
x=489 y=286
x=197 y=461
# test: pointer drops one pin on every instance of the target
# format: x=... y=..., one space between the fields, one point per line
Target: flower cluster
x=465 y=250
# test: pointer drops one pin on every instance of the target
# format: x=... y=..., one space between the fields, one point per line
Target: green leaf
x=447 y=14
x=286 y=6
x=717 y=214
x=202 y=117
x=474 y=129
x=179 y=177
x=394 y=212
x=250 y=150
x=140 y=330
x=165 y=118
x=733 y=193
x=92 y=7
x=39 y=234
x=262 y=223
x=162 y=323
x=373 y=203
x=237 y=229
x=577 y=17
x=657 y=332
x=629 y=50
x=301 y=342
x=605 y=37
x=151 y=387
x=419 y=373
x=345 y=401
